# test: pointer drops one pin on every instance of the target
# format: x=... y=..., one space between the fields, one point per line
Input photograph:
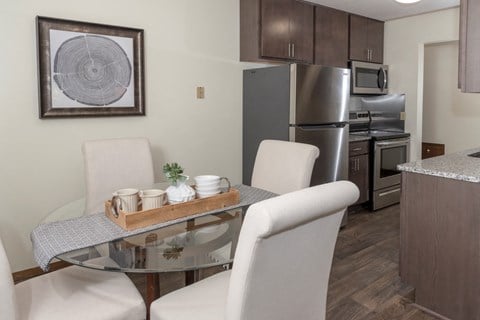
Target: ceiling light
x=407 y=1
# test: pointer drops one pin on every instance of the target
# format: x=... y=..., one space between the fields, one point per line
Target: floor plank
x=364 y=282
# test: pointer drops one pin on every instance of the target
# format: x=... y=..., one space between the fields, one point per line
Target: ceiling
x=387 y=9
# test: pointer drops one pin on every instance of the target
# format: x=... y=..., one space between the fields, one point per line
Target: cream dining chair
x=282 y=262
x=113 y=164
x=280 y=167
x=74 y=293
x=283 y=166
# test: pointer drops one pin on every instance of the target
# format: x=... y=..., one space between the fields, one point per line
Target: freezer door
x=332 y=164
x=322 y=95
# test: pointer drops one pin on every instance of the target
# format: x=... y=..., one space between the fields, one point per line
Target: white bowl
x=207 y=189
x=208 y=185
x=206 y=180
x=207 y=194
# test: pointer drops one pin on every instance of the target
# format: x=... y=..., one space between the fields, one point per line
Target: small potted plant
x=178 y=191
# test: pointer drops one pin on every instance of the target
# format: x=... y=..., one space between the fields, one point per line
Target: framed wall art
x=88 y=69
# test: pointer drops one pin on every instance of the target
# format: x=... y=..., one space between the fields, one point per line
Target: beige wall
x=187 y=43
x=405 y=40
x=449 y=116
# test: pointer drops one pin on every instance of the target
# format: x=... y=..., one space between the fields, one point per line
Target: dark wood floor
x=364 y=282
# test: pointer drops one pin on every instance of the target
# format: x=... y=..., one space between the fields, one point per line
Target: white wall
x=187 y=43
x=449 y=116
x=405 y=40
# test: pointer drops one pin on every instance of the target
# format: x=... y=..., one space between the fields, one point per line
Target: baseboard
x=26 y=274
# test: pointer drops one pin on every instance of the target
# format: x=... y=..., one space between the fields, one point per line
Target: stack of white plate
x=207 y=185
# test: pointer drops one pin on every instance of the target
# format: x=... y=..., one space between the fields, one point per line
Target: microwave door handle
x=381 y=78
x=384 y=78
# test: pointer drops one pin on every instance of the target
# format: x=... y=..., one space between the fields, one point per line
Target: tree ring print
x=92 y=70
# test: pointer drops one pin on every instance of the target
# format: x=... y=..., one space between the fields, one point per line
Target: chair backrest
x=284 y=254
x=114 y=164
x=7 y=291
x=283 y=166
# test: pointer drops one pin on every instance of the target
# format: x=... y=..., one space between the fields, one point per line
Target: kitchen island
x=440 y=233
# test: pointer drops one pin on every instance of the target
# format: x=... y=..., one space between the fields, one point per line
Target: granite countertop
x=354 y=138
x=458 y=166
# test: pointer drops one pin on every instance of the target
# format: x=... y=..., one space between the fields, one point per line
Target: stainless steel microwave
x=369 y=78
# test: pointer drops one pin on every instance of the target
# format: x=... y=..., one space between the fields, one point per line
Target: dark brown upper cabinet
x=286 y=30
x=276 y=29
x=469 y=47
x=331 y=37
x=366 y=39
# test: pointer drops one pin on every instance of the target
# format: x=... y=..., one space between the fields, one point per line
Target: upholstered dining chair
x=283 y=166
x=70 y=293
x=280 y=167
x=113 y=164
x=282 y=262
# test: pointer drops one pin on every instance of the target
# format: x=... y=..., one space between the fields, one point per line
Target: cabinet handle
x=293 y=50
x=369 y=55
x=289 y=50
x=428 y=150
x=357 y=149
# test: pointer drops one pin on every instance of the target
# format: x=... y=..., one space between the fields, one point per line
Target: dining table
x=187 y=244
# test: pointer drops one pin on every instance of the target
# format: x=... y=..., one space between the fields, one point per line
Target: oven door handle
x=393 y=143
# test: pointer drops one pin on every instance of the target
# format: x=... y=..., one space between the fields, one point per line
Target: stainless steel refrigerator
x=303 y=103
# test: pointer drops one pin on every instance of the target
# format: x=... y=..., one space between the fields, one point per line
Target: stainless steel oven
x=388 y=153
x=382 y=120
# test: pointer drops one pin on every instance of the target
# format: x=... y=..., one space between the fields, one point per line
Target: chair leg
x=153 y=290
x=191 y=276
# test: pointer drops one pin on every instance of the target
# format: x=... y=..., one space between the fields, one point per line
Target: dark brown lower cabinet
x=430 y=150
x=358 y=171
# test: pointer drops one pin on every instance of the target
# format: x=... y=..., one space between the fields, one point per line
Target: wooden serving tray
x=139 y=219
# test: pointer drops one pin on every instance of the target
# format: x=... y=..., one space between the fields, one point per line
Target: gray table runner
x=52 y=239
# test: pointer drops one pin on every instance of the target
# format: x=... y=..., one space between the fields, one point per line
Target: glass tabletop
x=198 y=243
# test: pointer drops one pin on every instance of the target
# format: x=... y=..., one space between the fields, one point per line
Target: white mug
x=125 y=200
x=152 y=198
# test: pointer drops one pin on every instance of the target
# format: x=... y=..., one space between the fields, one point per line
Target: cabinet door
x=430 y=150
x=375 y=40
x=469 y=47
x=358 y=174
x=301 y=31
x=366 y=39
x=331 y=37
x=275 y=25
x=358 y=38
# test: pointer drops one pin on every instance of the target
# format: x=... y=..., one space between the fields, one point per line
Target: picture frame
x=89 y=70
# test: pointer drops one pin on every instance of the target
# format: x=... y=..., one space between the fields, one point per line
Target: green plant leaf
x=172 y=171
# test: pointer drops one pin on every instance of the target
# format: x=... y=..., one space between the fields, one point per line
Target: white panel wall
x=187 y=43
x=405 y=40
x=449 y=116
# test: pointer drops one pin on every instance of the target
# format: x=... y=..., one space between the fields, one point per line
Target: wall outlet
x=200 y=92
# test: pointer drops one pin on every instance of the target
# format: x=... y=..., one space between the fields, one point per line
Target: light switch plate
x=200 y=92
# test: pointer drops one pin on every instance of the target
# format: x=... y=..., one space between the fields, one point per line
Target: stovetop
x=381 y=134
